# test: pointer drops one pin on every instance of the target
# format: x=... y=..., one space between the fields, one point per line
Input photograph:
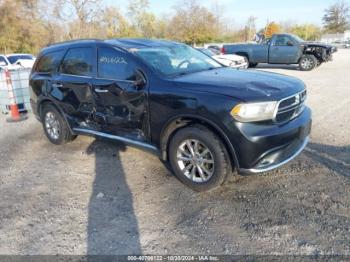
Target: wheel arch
x=45 y=101
x=179 y=122
x=245 y=54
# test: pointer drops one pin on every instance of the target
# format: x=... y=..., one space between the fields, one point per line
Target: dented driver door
x=120 y=95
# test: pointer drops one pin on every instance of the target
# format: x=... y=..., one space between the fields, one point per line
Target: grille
x=291 y=107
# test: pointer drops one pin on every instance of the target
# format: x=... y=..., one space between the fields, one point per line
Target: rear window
x=49 y=62
x=14 y=58
x=78 y=61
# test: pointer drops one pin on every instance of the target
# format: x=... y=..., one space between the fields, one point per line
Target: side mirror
x=3 y=63
x=290 y=43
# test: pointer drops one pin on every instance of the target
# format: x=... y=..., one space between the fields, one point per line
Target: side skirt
x=142 y=145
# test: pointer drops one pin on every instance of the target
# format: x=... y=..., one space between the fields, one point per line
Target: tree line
x=29 y=25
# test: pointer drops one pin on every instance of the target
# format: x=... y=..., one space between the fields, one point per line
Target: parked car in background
x=16 y=61
x=347 y=44
x=5 y=63
x=284 y=49
x=168 y=98
x=234 y=61
x=215 y=48
x=24 y=60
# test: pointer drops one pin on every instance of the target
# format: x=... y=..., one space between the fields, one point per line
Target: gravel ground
x=98 y=197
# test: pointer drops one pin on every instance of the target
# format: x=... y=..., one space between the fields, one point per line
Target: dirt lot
x=97 y=197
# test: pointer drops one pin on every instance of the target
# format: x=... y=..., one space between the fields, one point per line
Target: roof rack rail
x=74 y=40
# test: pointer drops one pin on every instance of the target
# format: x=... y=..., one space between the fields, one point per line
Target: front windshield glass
x=297 y=38
x=176 y=60
x=207 y=51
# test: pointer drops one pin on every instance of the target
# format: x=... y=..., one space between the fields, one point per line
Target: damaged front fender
x=322 y=52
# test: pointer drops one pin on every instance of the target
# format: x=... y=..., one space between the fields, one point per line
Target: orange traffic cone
x=15 y=115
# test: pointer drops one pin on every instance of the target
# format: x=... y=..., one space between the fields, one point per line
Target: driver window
x=113 y=64
x=283 y=41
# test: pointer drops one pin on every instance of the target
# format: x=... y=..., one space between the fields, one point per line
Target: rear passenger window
x=113 y=64
x=48 y=63
x=78 y=61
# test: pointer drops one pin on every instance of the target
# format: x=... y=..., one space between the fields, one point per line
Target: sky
x=238 y=11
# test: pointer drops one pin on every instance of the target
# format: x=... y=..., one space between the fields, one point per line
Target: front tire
x=55 y=126
x=198 y=158
x=307 y=62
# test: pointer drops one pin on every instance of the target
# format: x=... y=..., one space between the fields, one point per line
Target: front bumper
x=262 y=147
x=240 y=66
x=277 y=158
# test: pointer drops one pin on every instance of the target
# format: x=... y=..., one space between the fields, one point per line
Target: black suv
x=168 y=98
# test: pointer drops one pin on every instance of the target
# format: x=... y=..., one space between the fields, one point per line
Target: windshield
x=207 y=51
x=176 y=60
x=297 y=38
x=14 y=58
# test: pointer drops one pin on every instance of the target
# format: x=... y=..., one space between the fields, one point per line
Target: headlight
x=254 y=111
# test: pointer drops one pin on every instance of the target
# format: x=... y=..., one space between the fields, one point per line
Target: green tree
x=250 y=28
x=22 y=28
x=192 y=23
x=114 y=24
x=143 y=21
x=271 y=29
x=336 y=17
x=307 y=32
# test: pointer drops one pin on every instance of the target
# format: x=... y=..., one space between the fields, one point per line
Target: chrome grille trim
x=297 y=106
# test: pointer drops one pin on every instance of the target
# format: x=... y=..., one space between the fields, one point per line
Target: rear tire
x=307 y=62
x=198 y=158
x=55 y=126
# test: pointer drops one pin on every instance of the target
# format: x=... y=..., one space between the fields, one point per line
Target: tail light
x=223 y=51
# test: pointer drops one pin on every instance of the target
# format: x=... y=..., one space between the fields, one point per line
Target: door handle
x=97 y=90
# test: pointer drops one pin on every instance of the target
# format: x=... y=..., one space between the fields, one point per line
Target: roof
x=125 y=43
x=139 y=42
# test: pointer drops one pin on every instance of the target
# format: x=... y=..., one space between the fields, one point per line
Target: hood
x=230 y=57
x=310 y=43
x=246 y=85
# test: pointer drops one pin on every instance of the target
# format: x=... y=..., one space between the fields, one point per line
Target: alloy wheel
x=52 y=125
x=195 y=160
x=307 y=63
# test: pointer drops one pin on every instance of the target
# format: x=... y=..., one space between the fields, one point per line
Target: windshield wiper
x=193 y=72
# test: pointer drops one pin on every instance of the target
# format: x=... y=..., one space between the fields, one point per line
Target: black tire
x=246 y=59
x=307 y=62
x=253 y=64
x=64 y=134
x=221 y=165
